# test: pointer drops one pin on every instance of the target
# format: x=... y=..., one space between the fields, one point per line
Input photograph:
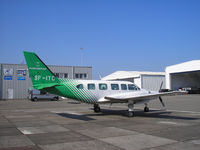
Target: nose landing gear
x=130 y=109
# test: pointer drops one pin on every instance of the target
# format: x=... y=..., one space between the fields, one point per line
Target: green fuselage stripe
x=82 y=95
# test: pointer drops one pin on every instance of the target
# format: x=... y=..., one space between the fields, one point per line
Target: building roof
x=188 y=66
x=129 y=74
x=48 y=65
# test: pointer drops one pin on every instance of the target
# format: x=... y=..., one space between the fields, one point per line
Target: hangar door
x=153 y=82
x=185 y=79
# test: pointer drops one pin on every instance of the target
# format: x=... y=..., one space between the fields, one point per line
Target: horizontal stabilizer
x=46 y=85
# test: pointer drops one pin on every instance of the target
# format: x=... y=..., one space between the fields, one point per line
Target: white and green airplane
x=90 y=91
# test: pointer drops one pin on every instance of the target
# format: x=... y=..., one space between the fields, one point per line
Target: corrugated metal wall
x=15 y=85
x=152 y=82
x=83 y=70
x=62 y=69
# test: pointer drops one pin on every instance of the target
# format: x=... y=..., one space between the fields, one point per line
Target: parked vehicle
x=164 y=90
x=35 y=95
x=191 y=90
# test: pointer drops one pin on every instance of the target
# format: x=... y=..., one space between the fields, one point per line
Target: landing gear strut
x=97 y=108
x=130 y=109
x=146 y=108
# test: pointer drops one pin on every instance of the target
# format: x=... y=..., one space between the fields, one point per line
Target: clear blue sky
x=144 y=35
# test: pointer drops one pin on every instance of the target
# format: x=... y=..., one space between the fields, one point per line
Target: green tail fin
x=40 y=74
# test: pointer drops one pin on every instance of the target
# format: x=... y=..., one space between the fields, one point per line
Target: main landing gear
x=97 y=108
x=146 y=108
x=130 y=109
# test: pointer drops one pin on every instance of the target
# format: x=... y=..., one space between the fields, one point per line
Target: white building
x=145 y=80
x=183 y=75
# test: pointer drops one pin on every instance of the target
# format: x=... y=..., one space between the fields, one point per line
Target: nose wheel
x=130 y=113
x=97 y=108
x=130 y=109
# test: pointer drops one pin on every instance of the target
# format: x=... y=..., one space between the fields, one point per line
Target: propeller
x=161 y=101
x=163 y=104
x=161 y=86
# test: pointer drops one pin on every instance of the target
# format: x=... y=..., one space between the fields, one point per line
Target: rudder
x=39 y=73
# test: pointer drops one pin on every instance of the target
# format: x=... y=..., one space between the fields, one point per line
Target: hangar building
x=146 y=80
x=184 y=75
x=15 y=80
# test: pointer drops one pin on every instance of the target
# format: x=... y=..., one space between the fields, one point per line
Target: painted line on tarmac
x=168 y=122
x=172 y=123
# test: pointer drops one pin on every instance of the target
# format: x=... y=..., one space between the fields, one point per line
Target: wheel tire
x=34 y=99
x=146 y=109
x=97 y=108
x=130 y=114
x=55 y=99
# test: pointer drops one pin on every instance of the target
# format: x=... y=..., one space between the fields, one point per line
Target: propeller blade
x=161 y=86
x=163 y=104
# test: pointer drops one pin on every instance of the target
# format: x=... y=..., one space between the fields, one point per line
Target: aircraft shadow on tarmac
x=162 y=115
x=76 y=116
x=138 y=113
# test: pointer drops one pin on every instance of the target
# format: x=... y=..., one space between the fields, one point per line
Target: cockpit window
x=132 y=87
x=103 y=86
x=80 y=86
x=91 y=86
x=123 y=87
x=114 y=86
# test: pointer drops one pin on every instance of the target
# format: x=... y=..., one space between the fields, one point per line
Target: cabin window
x=114 y=86
x=80 y=86
x=43 y=92
x=132 y=87
x=91 y=86
x=103 y=86
x=123 y=86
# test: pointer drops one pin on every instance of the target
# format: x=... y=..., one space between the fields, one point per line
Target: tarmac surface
x=69 y=125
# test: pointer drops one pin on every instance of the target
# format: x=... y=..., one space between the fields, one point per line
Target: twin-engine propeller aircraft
x=90 y=91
